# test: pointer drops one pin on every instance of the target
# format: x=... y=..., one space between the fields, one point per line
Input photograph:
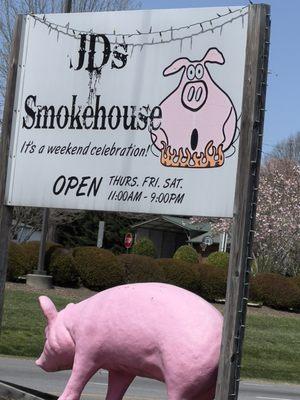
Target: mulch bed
x=83 y=293
x=73 y=294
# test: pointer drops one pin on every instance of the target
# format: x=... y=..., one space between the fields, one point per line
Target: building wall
x=23 y=235
x=165 y=242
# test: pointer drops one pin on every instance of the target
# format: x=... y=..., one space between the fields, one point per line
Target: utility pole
x=6 y=212
x=250 y=147
x=68 y=6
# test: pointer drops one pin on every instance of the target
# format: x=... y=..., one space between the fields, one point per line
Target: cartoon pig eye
x=190 y=73
x=199 y=71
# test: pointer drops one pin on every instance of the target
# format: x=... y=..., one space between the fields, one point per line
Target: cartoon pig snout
x=194 y=95
x=192 y=86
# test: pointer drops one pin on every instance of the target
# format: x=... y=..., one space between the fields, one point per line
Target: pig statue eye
x=190 y=73
x=199 y=71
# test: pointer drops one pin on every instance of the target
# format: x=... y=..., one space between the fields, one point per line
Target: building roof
x=173 y=224
x=216 y=238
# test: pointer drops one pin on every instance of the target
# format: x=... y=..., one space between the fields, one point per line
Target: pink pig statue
x=198 y=122
x=151 y=330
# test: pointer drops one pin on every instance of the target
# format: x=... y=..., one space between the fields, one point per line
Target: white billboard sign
x=135 y=111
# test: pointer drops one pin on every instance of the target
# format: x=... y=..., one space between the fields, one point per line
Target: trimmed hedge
x=98 y=269
x=296 y=280
x=213 y=282
x=141 y=268
x=186 y=253
x=144 y=247
x=180 y=273
x=51 y=249
x=17 y=265
x=218 y=259
x=275 y=291
x=62 y=268
x=32 y=249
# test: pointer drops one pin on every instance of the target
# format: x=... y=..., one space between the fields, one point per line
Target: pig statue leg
x=181 y=393
x=84 y=368
x=208 y=394
x=174 y=393
x=118 y=383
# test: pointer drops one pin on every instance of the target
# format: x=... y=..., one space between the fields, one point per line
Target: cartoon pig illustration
x=199 y=120
x=150 y=330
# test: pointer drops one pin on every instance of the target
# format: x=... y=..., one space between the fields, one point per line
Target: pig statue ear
x=176 y=66
x=48 y=308
x=213 y=55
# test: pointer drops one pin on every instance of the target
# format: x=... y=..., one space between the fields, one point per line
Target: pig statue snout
x=59 y=348
x=46 y=365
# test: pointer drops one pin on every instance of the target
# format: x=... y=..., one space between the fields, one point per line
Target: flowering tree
x=276 y=244
x=278 y=217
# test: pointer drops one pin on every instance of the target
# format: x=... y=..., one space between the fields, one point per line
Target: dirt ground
x=82 y=293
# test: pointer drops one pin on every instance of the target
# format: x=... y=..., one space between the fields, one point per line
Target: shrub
x=51 y=249
x=218 y=259
x=213 y=281
x=186 y=253
x=180 y=273
x=98 y=269
x=144 y=247
x=141 y=268
x=17 y=265
x=275 y=291
x=32 y=249
x=62 y=268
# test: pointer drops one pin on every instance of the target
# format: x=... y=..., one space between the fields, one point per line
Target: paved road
x=25 y=373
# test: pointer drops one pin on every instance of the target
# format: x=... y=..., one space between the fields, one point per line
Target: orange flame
x=212 y=157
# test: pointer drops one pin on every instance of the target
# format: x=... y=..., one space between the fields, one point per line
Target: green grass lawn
x=271 y=347
x=23 y=323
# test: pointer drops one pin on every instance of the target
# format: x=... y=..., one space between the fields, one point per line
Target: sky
x=282 y=117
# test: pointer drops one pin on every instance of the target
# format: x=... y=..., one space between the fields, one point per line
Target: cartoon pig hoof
x=159 y=138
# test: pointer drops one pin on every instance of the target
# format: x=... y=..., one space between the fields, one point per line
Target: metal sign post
x=100 y=233
x=40 y=279
x=245 y=201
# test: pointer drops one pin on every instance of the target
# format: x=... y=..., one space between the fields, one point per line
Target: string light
x=156 y=37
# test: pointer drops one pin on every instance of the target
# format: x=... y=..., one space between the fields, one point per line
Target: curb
x=11 y=391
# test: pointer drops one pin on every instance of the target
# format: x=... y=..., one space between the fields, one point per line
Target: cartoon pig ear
x=213 y=55
x=48 y=308
x=176 y=66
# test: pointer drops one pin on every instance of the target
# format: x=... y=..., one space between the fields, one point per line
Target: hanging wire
x=157 y=36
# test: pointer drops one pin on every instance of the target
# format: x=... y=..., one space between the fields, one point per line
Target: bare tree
x=10 y=8
x=288 y=149
x=28 y=220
